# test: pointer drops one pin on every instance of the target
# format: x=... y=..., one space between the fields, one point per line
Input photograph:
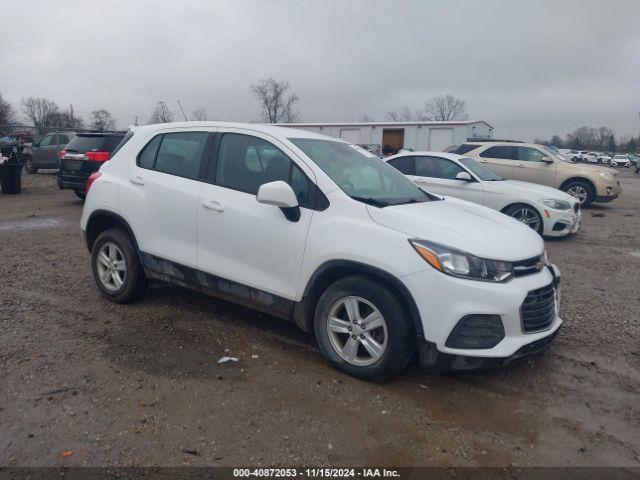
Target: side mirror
x=546 y=159
x=281 y=195
x=464 y=176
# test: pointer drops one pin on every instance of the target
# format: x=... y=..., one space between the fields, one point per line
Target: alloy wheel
x=112 y=269
x=528 y=217
x=579 y=192
x=357 y=331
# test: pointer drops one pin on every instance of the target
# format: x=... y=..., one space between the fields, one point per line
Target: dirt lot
x=140 y=384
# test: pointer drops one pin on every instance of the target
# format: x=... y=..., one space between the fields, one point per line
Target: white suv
x=323 y=233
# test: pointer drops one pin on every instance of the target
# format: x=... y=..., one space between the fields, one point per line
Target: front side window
x=360 y=174
x=48 y=140
x=246 y=162
x=180 y=153
x=528 y=154
x=501 y=152
x=404 y=164
x=480 y=171
x=436 y=167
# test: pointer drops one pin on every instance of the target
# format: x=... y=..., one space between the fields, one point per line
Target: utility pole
x=71 y=113
x=135 y=121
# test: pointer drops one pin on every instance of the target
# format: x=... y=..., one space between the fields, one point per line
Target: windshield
x=360 y=174
x=555 y=154
x=480 y=171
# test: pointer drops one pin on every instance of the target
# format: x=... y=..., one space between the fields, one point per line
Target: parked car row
x=324 y=233
x=535 y=163
x=613 y=159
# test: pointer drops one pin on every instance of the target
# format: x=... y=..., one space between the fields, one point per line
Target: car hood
x=530 y=191
x=464 y=226
x=579 y=170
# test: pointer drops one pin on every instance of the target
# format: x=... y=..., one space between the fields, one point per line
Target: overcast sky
x=530 y=68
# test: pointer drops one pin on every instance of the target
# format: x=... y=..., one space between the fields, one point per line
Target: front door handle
x=137 y=180
x=213 y=205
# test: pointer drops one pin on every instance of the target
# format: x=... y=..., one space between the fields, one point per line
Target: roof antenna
x=185 y=117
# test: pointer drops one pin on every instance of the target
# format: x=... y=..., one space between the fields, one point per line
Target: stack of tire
x=11 y=168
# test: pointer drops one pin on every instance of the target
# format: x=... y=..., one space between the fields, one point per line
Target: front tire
x=29 y=167
x=527 y=215
x=363 y=328
x=581 y=190
x=116 y=267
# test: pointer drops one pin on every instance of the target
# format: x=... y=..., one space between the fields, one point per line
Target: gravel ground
x=140 y=385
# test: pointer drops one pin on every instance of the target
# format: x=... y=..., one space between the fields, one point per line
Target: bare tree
x=277 y=105
x=66 y=119
x=601 y=138
x=7 y=115
x=102 y=121
x=40 y=111
x=161 y=114
x=199 y=113
x=405 y=115
x=445 y=108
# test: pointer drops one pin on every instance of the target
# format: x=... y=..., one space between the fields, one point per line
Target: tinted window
x=86 y=143
x=47 y=140
x=529 y=154
x=480 y=170
x=63 y=139
x=504 y=152
x=148 y=155
x=246 y=162
x=404 y=164
x=180 y=153
x=437 y=168
x=464 y=148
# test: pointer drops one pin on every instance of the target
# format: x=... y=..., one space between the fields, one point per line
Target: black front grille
x=528 y=266
x=539 y=309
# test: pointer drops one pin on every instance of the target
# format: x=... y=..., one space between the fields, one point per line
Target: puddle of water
x=31 y=223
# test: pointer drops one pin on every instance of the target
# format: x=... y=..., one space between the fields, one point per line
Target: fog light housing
x=476 y=332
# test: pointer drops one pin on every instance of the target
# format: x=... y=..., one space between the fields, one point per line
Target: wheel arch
x=101 y=220
x=334 y=270
x=579 y=179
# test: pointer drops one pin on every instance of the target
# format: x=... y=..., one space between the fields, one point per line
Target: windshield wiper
x=371 y=201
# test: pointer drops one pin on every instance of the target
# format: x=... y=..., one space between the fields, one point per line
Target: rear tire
x=581 y=190
x=372 y=340
x=29 y=167
x=116 y=267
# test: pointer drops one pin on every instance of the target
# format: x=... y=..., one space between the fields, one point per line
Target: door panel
x=530 y=168
x=245 y=241
x=500 y=159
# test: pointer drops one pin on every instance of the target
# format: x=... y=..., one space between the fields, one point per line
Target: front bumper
x=443 y=300
x=559 y=223
x=609 y=192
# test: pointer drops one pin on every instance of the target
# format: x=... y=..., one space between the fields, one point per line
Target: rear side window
x=464 y=148
x=246 y=162
x=147 y=156
x=500 y=151
x=180 y=153
x=404 y=164
x=63 y=139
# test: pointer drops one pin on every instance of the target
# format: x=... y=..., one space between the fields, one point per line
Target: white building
x=433 y=136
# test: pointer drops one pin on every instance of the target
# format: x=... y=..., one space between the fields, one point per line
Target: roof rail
x=489 y=140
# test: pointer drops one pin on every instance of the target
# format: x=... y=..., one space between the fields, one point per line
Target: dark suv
x=45 y=152
x=83 y=156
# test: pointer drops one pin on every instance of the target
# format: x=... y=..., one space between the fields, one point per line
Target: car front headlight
x=606 y=175
x=556 y=204
x=461 y=264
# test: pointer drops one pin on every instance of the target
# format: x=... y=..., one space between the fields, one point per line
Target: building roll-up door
x=440 y=138
x=351 y=135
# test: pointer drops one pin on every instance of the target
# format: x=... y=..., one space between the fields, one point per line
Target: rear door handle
x=213 y=205
x=137 y=180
